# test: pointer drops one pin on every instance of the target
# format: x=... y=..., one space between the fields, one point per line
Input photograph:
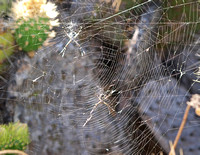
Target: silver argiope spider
x=72 y=35
x=101 y=101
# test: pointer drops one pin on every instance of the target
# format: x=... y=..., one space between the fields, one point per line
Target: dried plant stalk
x=12 y=152
x=180 y=130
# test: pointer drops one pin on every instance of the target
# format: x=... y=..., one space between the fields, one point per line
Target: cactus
x=31 y=34
x=14 y=136
x=6 y=43
x=4 y=5
x=34 y=20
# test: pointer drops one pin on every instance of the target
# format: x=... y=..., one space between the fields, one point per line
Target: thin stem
x=180 y=128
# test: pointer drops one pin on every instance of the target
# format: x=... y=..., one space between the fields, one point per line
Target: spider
x=102 y=99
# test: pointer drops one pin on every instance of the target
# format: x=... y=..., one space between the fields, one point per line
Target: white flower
x=49 y=9
x=54 y=22
x=33 y=9
x=52 y=34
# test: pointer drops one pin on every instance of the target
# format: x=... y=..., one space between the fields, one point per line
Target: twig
x=180 y=129
x=13 y=152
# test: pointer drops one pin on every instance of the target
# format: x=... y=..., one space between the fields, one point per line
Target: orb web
x=115 y=80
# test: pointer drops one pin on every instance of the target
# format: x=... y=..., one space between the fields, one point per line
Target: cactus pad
x=6 y=45
x=4 y=4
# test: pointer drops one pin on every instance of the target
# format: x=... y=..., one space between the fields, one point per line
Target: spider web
x=115 y=80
